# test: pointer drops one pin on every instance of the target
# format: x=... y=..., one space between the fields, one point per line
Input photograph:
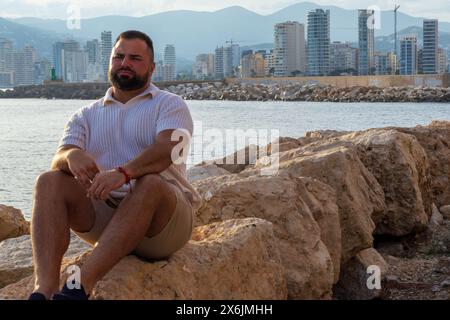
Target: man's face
x=130 y=67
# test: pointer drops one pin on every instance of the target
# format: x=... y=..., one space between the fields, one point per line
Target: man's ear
x=152 y=67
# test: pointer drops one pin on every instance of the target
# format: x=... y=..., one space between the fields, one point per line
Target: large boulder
x=234 y=259
x=359 y=279
x=12 y=223
x=360 y=197
x=435 y=140
x=400 y=165
x=283 y=200
x=16 y=257
x=204 y=171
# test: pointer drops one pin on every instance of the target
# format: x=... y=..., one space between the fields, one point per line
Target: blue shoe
x=71 y=294
x=37 y=296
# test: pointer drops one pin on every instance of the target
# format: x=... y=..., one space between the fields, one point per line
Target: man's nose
x=125 y=61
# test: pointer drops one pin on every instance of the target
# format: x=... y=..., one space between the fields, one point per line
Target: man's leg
x=144 y=212
x=59 y=202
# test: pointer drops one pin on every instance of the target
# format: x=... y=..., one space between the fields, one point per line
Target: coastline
x=246 y=92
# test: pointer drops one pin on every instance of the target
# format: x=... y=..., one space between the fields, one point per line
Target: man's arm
x=59 y=161
x=74 y=161
x=154 y=159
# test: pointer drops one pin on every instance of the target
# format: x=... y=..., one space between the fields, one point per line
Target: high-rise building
x=252 y=65
x=289 y=49
x=442 y=61
x=75 y=66
x=170 y=69
x=6 y=55
x=218 y=63
x=235 y=55
x=420 y=61
x=62 y=50
x=24 y=66
x=94 y=68
x=318 y=43
x=6 y=63
x=203 y=67
x=270 y=64
x=392 y=61
x=408 y=55
x=42 y=71
x=366 y=38
x=381 y=64
x=430 y=46
x=93 y=51
x=228 y=68
x=106 y=48
x=343 y=58
x=58 y=60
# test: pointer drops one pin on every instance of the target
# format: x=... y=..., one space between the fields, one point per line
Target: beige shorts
x=173 y=237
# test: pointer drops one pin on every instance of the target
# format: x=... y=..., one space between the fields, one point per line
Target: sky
x=63 y=9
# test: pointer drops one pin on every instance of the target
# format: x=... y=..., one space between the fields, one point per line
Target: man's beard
x=127 y=83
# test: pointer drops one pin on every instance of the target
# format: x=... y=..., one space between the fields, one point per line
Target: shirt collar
x=151 y=91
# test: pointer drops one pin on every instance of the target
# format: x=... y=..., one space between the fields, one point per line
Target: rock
x=239 y=160
x=230 y=260
x=359 y=196
x=322 y=134
x=204 y=171
x=400 y=165
x=322 y=201
x=283 y=200
x=16 y=258
x=12 y=223
x=445 y=210
x=436 y=217
x=358 y=279
x=434 y=139
x=446 y=283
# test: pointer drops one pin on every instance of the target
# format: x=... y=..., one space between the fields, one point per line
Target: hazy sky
x=90 y=8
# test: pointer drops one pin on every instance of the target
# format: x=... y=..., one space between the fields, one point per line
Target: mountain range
x=199 y=32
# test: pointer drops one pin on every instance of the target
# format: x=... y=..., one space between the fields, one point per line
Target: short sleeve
x=75 y=131
x=174 y=115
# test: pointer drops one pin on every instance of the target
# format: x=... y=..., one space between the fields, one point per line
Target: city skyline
x=74 y=62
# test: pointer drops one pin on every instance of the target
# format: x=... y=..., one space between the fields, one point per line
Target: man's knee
x=154 y=185
x=149 y=181
x=50 y=178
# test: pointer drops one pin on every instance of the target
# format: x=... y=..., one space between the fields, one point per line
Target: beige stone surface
x=16 y=257
x=234 y=259
x=12 y=223
x=283 y=200
x=400 y=165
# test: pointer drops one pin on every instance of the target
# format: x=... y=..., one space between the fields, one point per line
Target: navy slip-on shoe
x=37 y=296
x=71 y=294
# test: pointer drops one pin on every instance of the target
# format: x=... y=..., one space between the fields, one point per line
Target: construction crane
x=395 y=28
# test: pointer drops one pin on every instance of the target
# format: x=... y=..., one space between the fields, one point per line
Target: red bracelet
x=127 y=176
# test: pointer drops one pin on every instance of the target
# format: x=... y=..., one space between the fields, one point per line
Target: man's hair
x=134 y=34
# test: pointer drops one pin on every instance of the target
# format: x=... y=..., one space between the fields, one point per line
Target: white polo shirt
x=115 y=133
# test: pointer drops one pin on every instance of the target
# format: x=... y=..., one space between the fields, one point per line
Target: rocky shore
x=338 y=204
x=247 y=92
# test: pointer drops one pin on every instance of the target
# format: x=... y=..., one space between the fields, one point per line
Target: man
x=116 y=179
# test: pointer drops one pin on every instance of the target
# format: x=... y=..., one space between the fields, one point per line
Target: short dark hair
x=134 y=34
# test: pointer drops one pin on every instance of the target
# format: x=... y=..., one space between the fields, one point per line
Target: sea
x=30 y=130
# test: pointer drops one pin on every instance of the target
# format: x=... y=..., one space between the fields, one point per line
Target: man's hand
x=82 y=166
x=104 y=183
